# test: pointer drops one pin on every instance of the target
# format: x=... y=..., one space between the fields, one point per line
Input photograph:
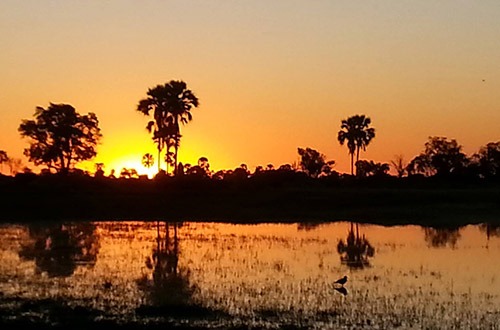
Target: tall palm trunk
x=352 y=163
x=357 y=159
x=175 y=156
x=159 y=154
x=176 y=146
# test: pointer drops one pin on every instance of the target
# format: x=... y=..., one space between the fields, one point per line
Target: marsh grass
x=254 y=277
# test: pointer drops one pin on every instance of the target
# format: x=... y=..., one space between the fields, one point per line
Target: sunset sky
x=271 y=76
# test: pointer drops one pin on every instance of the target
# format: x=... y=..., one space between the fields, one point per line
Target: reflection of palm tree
x=356 y=250
x=358 y=135
x=440 y=237
x=58 y=249
x=169 y=285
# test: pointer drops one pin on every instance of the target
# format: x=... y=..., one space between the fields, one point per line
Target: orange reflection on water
x=412 y=274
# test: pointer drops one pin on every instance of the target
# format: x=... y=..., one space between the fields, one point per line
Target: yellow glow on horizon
x=270 y=77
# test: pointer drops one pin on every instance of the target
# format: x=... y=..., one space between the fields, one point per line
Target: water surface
x=266 y=275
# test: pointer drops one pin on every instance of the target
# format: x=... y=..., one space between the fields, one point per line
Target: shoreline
x=429 y=204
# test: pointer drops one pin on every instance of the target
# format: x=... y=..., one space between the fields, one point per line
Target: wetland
x=268 y=275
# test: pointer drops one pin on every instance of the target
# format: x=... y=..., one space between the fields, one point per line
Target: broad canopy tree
x=488 y=160
x=441 y=157
x=314 y=163
x=60 y=137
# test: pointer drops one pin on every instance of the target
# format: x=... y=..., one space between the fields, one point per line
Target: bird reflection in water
x=338 y=285
x=341 y=290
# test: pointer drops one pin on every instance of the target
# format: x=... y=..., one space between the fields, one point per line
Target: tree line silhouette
x=59 y=138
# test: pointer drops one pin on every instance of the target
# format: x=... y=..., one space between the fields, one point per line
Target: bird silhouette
x=341 y=281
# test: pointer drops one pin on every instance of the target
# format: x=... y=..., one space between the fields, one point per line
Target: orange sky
x=270 y=76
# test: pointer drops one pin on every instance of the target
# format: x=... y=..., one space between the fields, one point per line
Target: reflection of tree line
x=356 y=250
x=58 y=249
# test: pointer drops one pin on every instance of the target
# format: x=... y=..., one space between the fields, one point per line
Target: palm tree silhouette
x=147 y=160
x=171 y=105
x=358 y=135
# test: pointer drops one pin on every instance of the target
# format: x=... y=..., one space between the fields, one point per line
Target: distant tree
x=99 y=170
x=15 y=165
x=60 y=137
x=399 y=165
x=421 y=164
x=200 y=170
x=147 y=160
x=240 y=173
x=3 y=159
x=328 y=169
x=128 y=173
x=488 y=160
x=356 y=132
x=440 y=157
x=258 y=170
x=366 y=168
x=219 y=175
x=286 y=168
x=311 y=161
x=204 y=164
x=170 y=105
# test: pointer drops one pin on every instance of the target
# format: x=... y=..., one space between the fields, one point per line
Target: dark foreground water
x=240 y=276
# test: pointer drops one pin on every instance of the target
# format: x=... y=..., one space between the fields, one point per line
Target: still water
x=266 y=275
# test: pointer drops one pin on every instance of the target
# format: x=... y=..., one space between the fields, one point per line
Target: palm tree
x=358 y=135
x=170 y=105
x=181 y=101
x=147 y=160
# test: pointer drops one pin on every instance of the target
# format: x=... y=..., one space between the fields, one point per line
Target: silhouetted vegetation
x=170 y=105
x=147 y=160
x=487 y=160
x=366 y=168
x=441 y=157
x=60 y=137
x=443 y=185
x=282 y=194
x=356 y=132
x=314 y=163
